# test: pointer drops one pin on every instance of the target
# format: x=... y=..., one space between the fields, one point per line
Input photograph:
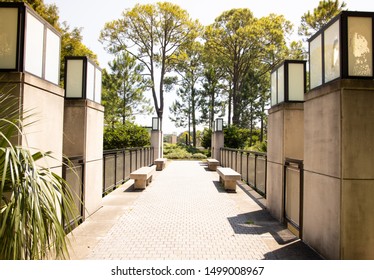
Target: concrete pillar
x=41 y=104
x=83 y=136
x=156 y=143
x=217 y=144
x=285 y=140
x=174 y=139
x=339 y=173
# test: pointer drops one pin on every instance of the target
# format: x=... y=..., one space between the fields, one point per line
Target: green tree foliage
x=312 y=22
x=206 y=138
x=129 y=135
x=189 y=68
x=235 y=137
x=123 y=90
x=154 y=34
x=212 y=102
x=244 y=44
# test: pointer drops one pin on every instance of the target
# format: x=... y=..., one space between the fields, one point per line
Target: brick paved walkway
x=185 y=215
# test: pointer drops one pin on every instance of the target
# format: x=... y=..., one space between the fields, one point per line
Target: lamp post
x=156 y=139
x=217 y=139
x=28 y=43
x=285 y=139
x=82 y=79
x=342 y=49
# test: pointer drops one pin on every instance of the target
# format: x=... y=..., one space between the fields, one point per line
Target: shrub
x=236 y=137
x=206 y=139
x=124 y=136
x=199 y=156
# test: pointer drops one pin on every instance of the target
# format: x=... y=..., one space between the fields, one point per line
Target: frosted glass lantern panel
x=154 y=123
x=34 y=45
x=8 y=37
x=74 y=78
x=90 y=86
x=296 y=82
x=332 y=52
x=52 y=57
x=219 y=123
x=360 y=53
x=274 y=88
x=281 y=84
x=315 y=61
x=98 y=79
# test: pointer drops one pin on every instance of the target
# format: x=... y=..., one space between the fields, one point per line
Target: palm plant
x=35 y=202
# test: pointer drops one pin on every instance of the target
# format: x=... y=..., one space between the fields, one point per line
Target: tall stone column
x=339 y=137
x=83 y=136
x=285 y=132
x=156 y=143
x=84 y=125
x=285 y=140
x=217 y=144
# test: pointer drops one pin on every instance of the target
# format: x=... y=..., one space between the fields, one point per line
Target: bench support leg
x=230 y=185
x=140 y=184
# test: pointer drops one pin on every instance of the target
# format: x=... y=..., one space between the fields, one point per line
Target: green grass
x=179 y=151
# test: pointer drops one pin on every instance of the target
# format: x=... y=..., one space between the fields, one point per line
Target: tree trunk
x=193 y=117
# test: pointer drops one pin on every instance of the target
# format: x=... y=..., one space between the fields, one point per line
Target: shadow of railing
x=260 y=222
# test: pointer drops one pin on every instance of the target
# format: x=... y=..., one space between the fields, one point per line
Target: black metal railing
x=293 y=192
x=73 y=174
x=118 y=164
x=251 y=165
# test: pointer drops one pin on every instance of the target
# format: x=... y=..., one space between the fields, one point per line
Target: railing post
x=255 y=179
x=247 y=167
x=104 y=172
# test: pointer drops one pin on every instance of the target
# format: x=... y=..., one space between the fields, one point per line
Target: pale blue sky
x=92 y=15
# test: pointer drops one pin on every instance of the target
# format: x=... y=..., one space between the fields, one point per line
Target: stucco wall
x=339 y=173
x=83 y=136
x=285 y=140
x=41 y=103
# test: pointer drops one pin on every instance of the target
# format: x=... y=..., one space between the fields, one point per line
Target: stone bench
x=160 y=163
x=212 y=164
x=228 y=178
x=142 y=176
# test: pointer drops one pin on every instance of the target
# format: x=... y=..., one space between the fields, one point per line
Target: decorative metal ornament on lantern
x=343 y=49
x=288 y=82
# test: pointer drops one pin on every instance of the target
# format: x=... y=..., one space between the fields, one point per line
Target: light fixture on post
x=155 y=124
x=28 y=43
x=288 y=83
x=342 y=49
x=218 y=125
x=82 y=79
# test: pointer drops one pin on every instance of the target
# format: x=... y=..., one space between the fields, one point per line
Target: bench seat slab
x=228 y=178
x=142 y=176
x=160 y=163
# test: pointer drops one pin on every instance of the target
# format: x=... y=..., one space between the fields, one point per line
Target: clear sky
x=91 y=15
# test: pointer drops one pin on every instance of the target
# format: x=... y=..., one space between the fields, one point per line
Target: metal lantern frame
x=28 y=43
x=288 y=82
x=83 y=79
x=218 y=125
x=342 y=49
x=155 y=124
